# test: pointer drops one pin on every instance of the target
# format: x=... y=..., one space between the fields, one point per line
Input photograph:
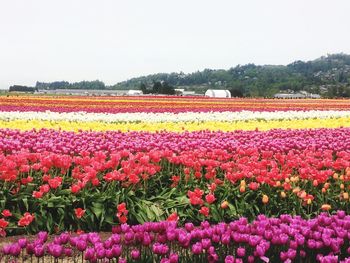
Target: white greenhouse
x=218 y=93
x=133 y=92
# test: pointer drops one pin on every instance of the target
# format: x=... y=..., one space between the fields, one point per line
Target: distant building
x=218 y=93
x=179 y=91
x=91 y=92
x=314 y=96
x=289 y=96
x=189 y=93
x=300 y=95
x=133 y=92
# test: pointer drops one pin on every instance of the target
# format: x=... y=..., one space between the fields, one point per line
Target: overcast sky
x=113 y=40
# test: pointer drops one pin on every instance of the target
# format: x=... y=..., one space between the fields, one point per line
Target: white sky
x=113 y=40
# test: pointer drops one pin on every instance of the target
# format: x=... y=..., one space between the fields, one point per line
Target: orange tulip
x=294 y=179
x=224 y=205
x=302 y=194
x=265 y=199
x=342 y=186
x=324 y=190
x=283 y=194
x=326 y=207
x=335 y=176
x=242 y=189
x=346 y=196
x=296 y=190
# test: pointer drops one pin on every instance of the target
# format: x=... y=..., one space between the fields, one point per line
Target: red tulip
x=79 y=212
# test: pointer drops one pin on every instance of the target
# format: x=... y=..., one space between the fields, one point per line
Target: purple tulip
x=68 y=252
x=30 y=249
x=251 y=259
x=189 y=227
x=241 y=252
x=174 y=258
x=116 y=250
x=55 y=250
x=42 y=236
x=225 y=239
x=197 y=248
x=135 y=254
x=109 y=254
x=39 y=251
x=15 y=250
x=100 y=253
x=115 y=238
x=206 y=243
x=64 y=238
x=229 y=259
x=81 y=245
x=22 y=242
x=89 y=254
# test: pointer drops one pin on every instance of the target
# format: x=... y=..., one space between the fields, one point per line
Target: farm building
x=133 y=92
x=217 y=93
x=301 y=95
x=289 y=96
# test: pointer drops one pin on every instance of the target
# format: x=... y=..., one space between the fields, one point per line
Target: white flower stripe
x=171 y=117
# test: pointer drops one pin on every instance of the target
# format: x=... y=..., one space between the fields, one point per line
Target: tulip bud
x=224 y=205
x=346 y=195
x=296 y=190
x=265 y=199
x=242 y=189
x=283 y=194
x=309 y=201
x=302 y=194
x=326 y=207
x=335 y=176
x=342 y=186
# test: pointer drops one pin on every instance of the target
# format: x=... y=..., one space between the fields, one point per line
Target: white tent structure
x=133 y=92
x=218 y=93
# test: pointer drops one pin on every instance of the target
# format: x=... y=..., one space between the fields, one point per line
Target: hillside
x=328 y=75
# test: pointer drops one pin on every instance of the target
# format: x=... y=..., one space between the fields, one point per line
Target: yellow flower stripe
x=177 y=127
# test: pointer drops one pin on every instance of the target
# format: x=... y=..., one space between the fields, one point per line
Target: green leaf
x=97 y=209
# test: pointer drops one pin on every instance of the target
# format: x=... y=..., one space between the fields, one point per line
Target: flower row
x=151 y=117
x=161 y=104
x=177 y=126
x=283 y=239
x=63 y=142
x=153 y=185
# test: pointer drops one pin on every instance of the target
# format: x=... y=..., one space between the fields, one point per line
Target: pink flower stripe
x=63 y=142
x=162 y=104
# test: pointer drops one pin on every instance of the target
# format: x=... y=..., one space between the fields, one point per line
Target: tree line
x=328 y=75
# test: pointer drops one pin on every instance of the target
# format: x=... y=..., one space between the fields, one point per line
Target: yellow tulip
x=265 y=199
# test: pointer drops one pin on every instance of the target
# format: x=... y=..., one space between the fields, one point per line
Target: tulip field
x=174 y=179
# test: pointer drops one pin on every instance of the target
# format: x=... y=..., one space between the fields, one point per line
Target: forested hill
x=328 y=75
